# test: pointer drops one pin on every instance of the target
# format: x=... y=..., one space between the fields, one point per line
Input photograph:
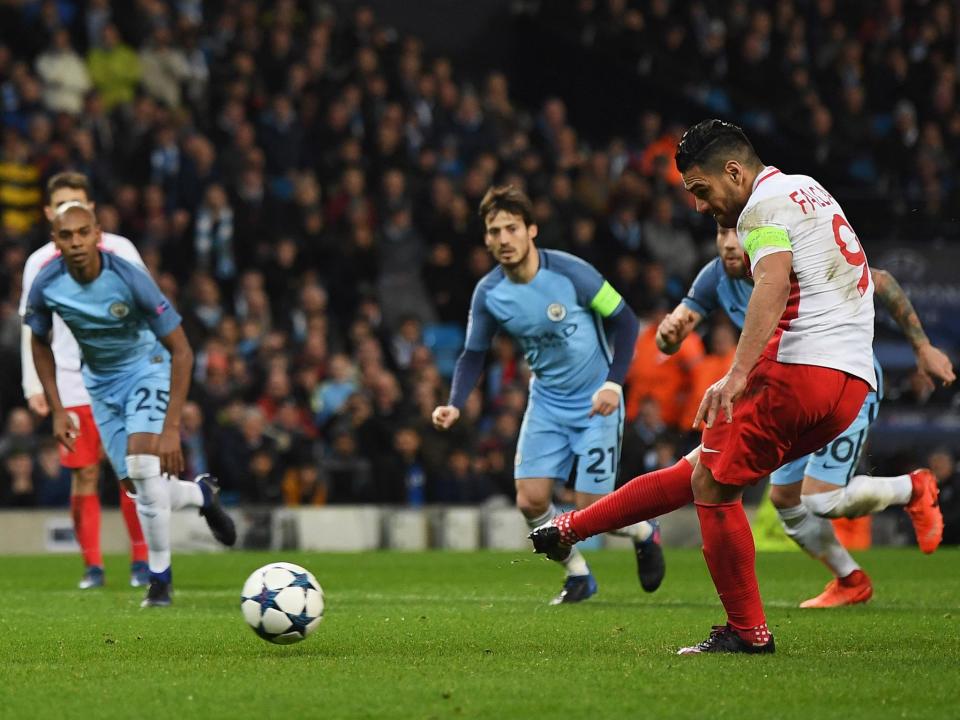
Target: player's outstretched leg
x=866 y=494
x=643 y=498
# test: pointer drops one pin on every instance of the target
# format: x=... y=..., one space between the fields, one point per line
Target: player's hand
x=933 y=364
x=720 y=396
x=39 y=405
x=605 y=402
x=65 y=430
x=670 y=332
x=171 y=456
x=445 y=416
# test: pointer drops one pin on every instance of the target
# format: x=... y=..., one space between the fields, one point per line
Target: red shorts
x=87 y=446
x=785 y=412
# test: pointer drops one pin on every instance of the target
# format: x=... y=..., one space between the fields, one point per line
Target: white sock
x=862 y=496
x=638 y=532
x=575 y=564
x=815 y=535
x=184 y=494
x=153 y=508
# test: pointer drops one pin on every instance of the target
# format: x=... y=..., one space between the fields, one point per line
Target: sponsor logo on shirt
x=119 y=310
x=556 y=312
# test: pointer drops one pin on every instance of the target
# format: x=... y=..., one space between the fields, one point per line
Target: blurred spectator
x=332 y=394
x=17 y=482
x=114 y=69
x=64 y=75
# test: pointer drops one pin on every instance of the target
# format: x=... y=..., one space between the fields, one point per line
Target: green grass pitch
x=449 y=635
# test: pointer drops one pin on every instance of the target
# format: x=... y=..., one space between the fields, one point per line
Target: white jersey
x=66 y=352
x=828 y=320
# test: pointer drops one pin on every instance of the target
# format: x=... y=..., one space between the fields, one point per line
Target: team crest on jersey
x=119 y=310
x=556 y=312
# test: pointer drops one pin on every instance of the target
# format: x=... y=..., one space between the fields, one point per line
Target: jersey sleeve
x=764 y=229
x=481 y=325
x=149 y=299
x=593 y=291
x=702 y=297
x=36 y=313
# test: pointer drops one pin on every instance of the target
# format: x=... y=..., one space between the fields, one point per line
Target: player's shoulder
x=489 y=281
x=563 y=262
x=50 y=270
x=773 y=201
x=121 y=266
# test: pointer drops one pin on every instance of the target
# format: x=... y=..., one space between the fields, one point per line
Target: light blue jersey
x=836 y=463
x=557 y=318
x=117 y=319
x=557 y=322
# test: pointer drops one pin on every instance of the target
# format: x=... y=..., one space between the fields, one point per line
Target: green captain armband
x=765 y=237
x=606 y=300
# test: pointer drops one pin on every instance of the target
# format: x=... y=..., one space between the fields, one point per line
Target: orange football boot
x=924 y=510
x=850 y=590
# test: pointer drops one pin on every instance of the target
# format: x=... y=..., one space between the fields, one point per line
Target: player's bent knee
x=785 y=496
x=532 y=501
x=829 y=504
x=141 y=467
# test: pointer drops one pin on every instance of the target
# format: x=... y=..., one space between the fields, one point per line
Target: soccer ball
x=282 y=602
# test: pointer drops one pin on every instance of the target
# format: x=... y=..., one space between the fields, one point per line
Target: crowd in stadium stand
x=303 y=182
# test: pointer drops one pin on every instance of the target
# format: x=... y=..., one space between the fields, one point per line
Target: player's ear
x=532 y=230
x=49 y=213
x=735 y=170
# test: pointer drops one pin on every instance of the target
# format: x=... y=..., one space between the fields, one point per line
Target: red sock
x=138 y=546
x=85 y=510
x=730 y=554
x=643 y=498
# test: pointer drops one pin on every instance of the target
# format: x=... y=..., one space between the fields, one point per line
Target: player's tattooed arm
x=932 y=363
x=675 y=328
x=895 y=300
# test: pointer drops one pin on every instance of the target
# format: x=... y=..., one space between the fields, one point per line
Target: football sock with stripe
x=730 y=554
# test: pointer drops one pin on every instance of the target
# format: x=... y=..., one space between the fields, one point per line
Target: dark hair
x=68 y=179
x=509 y=199
x=710 y=141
